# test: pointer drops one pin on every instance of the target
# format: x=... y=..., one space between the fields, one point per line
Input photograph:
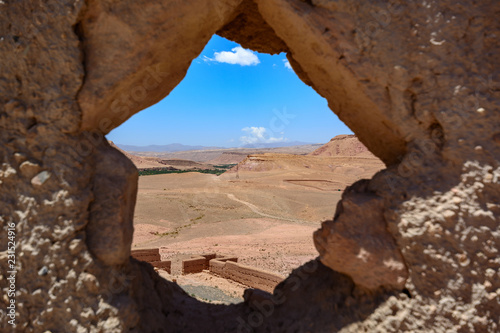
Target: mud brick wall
x=153 y=257
x=249 y=276
x=217 y=265
x=197 y=264
x=147 y=255
x=165 y=265
x=193 y=265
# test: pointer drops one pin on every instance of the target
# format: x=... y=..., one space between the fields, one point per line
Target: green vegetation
x=219 y=170
x=224 y=166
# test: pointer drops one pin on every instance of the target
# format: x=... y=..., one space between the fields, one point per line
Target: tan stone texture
x=418 y=83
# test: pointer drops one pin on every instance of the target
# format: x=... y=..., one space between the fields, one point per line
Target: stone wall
x=247 y=275
x=146 y=255
x=197 y=264
x=229 y=268
x=153 y=257
x=415 y=248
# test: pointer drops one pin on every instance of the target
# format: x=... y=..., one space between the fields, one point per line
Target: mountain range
x=170 y=148
x=177 y=147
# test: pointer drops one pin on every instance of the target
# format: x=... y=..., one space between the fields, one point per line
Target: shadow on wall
x=229 y=268
x=153 y=257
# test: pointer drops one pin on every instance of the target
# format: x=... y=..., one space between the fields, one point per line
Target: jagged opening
x=150 y=75
x=264 y=209
x=406 y=84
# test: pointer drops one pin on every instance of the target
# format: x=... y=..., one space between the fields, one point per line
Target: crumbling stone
x=417 y=82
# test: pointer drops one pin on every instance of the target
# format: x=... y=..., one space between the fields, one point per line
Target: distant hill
x=157 y=155
x=328 y=173
x=149 y=162
x=230 y=155
x=229 y=158
x=343 y=145
x=178 y=147
x=170 y=148
x=140 y=162
x=344 y=154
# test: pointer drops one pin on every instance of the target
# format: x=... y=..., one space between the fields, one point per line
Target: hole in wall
x=200 y=192
x=407 y=292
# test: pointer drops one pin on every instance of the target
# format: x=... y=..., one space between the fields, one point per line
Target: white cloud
x=238 y=56
x=259 y=135
x=287 y=64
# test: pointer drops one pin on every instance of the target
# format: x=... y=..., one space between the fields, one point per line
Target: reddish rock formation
x=343 y=145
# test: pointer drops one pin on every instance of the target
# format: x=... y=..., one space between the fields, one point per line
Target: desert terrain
x=417 y=81
x=263 y=210
x=226 y=155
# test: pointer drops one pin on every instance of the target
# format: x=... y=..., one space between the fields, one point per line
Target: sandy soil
x=208 y=287
x=267 y=223
x=264 y=213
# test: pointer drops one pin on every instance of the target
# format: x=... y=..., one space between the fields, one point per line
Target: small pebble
x=40 y=178
x=43 y=271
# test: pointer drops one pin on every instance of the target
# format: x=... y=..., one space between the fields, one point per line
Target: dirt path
x=330 y=186
x=254 y=209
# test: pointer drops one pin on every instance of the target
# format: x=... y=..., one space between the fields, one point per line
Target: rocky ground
x=260 y=213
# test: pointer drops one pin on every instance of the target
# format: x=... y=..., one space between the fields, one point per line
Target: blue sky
x=231 y=97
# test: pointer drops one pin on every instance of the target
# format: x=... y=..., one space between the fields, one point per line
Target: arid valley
x=263 y=210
